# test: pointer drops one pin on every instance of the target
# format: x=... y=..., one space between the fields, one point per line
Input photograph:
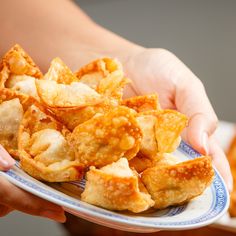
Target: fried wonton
x=176 y=184
x=72 y=117
x=148 y=146
x=44 y=151
x=141 y=162
x=116 y=187
x=75 y=94
x=23 y=84
x=60 y=73
x=17 y=62
x=168 y=128
x=106 y=138
x=12 y=107
x=105 y=76
x=143 y=103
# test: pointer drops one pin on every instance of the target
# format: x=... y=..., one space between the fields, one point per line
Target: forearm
x=47 y=29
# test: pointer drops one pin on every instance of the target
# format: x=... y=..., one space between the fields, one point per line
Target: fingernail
x=205 y=143
x=60 y=217
x=5 y=159
x=3 y=162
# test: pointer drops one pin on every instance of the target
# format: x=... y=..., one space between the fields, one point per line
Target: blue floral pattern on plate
x=172 y=216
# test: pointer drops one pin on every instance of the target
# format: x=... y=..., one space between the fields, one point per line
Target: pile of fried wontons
x=63 y=125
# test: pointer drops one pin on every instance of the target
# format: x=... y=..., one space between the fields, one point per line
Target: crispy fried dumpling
x=60 y=73
x=176 y=184
x=12 y=107
x=58 y=95
x=23 y=84
x=141 y=162
x=105 y=75
x=116 y=187
x=106 y=138
x=148 y=145
x=11 y=113
x=142 y=103
x=168 y=128
x=44 y=151
x=17 y=62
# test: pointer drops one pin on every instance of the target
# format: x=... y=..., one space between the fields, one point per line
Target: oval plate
x=201 y=211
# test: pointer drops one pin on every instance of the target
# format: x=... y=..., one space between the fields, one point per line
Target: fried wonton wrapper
x=17 y=62
x=148 y=146
x=168 y=128
x=76 y=94
x=44 y=150
x=12 y=107
x=176 y=184
x=161 y=131
x=105 y=76
x=141 y=162
x=106 y=138
x=143 y=103
x=116 y=187
x=72 y=117
x=23 y=84
x=60 y=73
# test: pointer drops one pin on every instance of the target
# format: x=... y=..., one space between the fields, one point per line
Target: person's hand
x=158 y=70
x=14 y=198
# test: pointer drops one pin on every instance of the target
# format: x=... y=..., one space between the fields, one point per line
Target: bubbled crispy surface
x=113 y=191
x=16 y=61
x=176 y=184
x=44 y=151
x=106 y=138
x=142 y=103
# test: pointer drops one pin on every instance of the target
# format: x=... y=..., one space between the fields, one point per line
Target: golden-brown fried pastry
x=141 y=162
x=14 y=64
x=72 y=117
x=105 y=75
x=116 y=187
x=142 y=103
x=60 y=73
x=106 y=138
x=75 y=94
x=23 y=84
x=168 y=128
x=12 y=107
x=44 y=151
x=148 y=146
x=176 y=184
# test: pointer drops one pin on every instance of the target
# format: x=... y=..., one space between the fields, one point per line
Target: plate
x=201 y=211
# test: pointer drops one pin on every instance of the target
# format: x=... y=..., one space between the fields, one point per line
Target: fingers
x=18 y=199
x=221 y=163
x=6 y=161
x=191 y=99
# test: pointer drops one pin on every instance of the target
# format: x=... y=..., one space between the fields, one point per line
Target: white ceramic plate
x=201 y=211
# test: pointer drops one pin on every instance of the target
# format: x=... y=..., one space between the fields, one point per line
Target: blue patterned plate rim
x=218 y=207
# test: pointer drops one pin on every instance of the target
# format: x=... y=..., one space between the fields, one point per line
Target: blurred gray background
x=201 y=33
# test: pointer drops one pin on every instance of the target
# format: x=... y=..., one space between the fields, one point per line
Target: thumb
x=198 y=132
x=6 y=161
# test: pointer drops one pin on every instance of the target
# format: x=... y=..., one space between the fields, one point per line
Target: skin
x=66 y=31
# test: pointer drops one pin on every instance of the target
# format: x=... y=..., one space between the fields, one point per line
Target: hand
x=14 y=198
x=158 y=70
